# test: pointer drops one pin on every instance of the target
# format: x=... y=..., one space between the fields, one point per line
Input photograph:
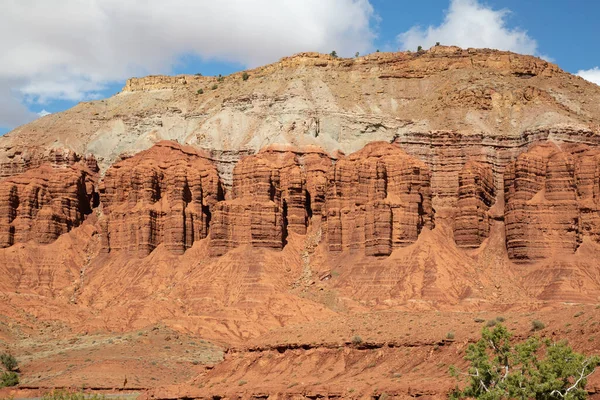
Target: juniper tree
x=500 y=370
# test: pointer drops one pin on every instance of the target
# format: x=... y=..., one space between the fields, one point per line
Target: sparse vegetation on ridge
x=66 y=395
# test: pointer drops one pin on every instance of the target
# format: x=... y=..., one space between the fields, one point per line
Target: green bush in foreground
x=500 y=370
x=8 y=379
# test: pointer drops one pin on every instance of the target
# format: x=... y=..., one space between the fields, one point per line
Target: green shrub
x=198 y=74
x=500 y=319
x=437 y=43
x=491 y=323
x=8 y=361
x=333 y=54
x=500 y=370
x=537 y=325
x=420 y=48
x=356 y=340
x=214 y=87
x=220 y=78
x=200 y=91
x=356 y=54
x=450 y=335
x=245 y=76
x=9 y=379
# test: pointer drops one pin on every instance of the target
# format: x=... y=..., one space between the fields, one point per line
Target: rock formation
x=551 y=201
x=274 y=192
x=484 y=97
x=45 y=202
x=160 y=196
x=378 y=199
x=476 y=193
x=395 y=183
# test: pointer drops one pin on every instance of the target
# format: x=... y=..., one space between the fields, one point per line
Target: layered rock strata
x=476 y=193
x=446 y=152
x=160 y=196
x=378 y=199
x=552 y=200
x=20 y=159
x=373 y=201
x=274 y=192
x=45 y=202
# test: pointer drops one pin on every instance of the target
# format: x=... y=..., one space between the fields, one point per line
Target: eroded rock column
x=163 y=195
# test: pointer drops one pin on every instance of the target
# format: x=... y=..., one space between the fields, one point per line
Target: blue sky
x=73 y=50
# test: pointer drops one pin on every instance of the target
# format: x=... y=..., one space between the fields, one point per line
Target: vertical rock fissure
x=284 y=227
x=308 y=207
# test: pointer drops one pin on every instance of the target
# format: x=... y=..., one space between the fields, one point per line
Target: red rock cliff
x=476 y=193
x=163 y=195
x=552 y=200
x=45 y=202
x=274 y=192
x=378 y=199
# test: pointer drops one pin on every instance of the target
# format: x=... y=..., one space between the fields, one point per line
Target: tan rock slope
x=316 y=190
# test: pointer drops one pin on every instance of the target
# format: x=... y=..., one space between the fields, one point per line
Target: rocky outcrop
x=378 y=199
x=476 y=193
x=160 y=82
x=551 y=201
x=19 y=159
x=374 y=200
x=425 y=63
x=446 y=153
x=45 y=202
x=333 y=103
x=274 y=193
x=160 y=196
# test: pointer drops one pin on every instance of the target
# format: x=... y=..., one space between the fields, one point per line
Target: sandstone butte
x=235 y=243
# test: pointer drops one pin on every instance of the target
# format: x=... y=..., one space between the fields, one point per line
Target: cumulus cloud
x=12 y=110
x=70 y=49
x=470 y=24
x=592 y=75
x=43 y=113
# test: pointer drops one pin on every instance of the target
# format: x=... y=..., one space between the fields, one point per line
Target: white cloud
x=468 y=23
x=70 y=49
x=592 y=75
x=43 y=113
x=12 y=110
